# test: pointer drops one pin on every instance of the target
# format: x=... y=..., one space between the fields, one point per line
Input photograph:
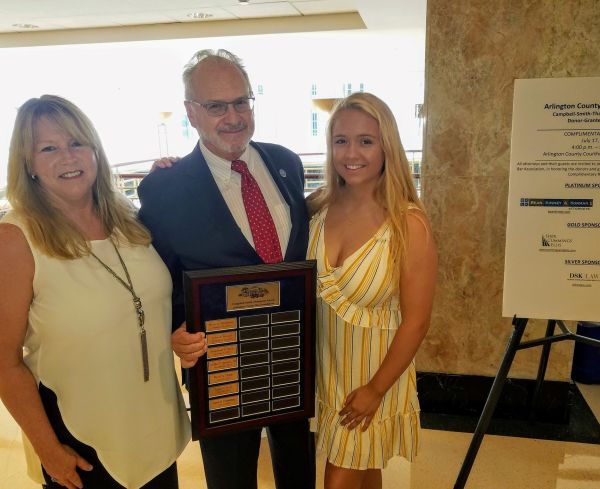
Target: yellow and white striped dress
x=357 y=318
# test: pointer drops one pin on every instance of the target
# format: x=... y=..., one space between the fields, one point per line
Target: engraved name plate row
x=253 y=365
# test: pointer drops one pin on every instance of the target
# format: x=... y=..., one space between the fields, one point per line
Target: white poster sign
x=552 y=264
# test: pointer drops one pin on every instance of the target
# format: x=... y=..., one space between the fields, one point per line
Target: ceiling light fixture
x=243 y=2
x=26 y=26
x=199 y=15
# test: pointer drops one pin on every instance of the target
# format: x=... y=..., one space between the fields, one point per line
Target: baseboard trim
x=454 y=402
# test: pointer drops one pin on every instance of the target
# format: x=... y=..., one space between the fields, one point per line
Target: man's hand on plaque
x=188 y=346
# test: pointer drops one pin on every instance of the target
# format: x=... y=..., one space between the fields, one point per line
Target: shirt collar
x=220 y=167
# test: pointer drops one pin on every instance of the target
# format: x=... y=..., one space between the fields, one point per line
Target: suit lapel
x=209 y=195
x=278 y=174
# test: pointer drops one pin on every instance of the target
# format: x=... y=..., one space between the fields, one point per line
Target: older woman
x=86 y=367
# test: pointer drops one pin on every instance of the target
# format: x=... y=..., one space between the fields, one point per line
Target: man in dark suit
x=200 y=219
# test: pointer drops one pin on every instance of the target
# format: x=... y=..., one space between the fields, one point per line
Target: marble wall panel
x=475 y=50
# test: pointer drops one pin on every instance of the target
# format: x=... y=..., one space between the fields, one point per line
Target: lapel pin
x=282 y=173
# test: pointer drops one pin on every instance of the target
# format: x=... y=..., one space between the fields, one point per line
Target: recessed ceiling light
x=199 y=15
x=243 y=2
x=26 y=26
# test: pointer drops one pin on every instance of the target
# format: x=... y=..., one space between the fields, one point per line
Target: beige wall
x=475 y=49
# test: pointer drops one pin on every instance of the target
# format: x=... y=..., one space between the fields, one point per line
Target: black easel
x=514 y=344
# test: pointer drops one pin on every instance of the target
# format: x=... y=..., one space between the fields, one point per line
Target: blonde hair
x=50 y=231
x=394 y=191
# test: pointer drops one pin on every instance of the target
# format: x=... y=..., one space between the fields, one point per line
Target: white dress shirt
x=230 y=185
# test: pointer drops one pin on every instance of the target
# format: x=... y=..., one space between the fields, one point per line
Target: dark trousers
x=98 y=477
x=230 y=461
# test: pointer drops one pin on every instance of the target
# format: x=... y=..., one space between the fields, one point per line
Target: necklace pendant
x=141 y=316
x=137 y=302
x=145 y=364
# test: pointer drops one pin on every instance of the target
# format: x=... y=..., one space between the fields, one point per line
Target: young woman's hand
x=360 y=407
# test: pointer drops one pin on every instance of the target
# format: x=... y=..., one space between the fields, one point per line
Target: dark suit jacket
x=192 y=227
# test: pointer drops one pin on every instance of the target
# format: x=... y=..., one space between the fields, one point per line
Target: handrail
x=312 y=177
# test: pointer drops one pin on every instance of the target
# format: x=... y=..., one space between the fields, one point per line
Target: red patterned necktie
x=261 y=223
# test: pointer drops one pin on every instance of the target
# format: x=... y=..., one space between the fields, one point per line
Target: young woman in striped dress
x=377 y=268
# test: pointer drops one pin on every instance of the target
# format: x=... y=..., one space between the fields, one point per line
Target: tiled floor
x=502 y=463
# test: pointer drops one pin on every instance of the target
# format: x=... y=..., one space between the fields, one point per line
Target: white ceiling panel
x=177 y=4
x=181 y=15
x=11 y=26
x=312 y=7
x=79 y=14
x=273 y=9
x=43 y=8
x=192 y=4
x=103 y=20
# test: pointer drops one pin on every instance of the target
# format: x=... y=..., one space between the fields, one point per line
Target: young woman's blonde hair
x=394 y=191
x=50 y=231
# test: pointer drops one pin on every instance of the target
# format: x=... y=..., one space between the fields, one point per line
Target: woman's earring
x=33 y=177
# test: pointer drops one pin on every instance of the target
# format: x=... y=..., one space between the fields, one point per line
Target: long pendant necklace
x=137 y=304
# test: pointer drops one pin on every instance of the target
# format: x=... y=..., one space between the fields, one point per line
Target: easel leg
x=490 y=403
x=542 y=369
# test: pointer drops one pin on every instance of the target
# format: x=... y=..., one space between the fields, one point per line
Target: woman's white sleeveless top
x=83 y=342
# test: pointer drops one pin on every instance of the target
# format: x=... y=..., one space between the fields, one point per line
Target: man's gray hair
x=205 y=54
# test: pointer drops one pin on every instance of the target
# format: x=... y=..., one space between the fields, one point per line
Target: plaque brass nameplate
x=222 y=377
x=223 y=389
x=220 y=338
x=223 y=402
x=252 y=296
x=220 y=324
x=223 y=364
x=221 y=351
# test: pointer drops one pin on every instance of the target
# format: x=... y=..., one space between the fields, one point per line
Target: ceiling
x=53 y=15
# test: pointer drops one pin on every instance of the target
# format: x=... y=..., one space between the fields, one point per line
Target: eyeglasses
x=217 y=108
